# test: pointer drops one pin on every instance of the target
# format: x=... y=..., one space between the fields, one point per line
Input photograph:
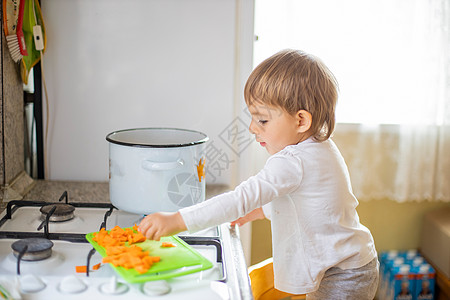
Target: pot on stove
x=156 y=169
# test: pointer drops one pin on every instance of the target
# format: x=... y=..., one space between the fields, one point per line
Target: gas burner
x=63 y=212
x=32 y=249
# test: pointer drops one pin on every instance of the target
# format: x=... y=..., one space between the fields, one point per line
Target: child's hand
x=157 y=225
x=251 y=216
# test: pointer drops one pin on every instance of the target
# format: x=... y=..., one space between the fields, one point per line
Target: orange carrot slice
x=80 y=269
x=121 y=250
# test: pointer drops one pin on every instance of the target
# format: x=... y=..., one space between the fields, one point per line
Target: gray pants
x=358 y=284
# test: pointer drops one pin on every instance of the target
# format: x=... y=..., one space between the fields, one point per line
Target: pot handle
x=161 y=166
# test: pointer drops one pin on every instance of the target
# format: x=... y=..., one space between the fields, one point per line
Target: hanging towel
x=32 y=16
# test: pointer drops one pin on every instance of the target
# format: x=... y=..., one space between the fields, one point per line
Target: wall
x=12 y=117
x=396 y=225
x=113 y=64
x=261 y=241
x=13 y=180
x=393 y=226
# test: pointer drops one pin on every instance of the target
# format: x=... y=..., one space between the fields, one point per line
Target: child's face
x=274 y=128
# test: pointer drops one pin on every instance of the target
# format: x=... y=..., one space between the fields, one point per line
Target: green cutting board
x=175 y=261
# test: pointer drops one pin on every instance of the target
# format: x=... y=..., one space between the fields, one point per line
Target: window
x=392 y=61
x=388 y=56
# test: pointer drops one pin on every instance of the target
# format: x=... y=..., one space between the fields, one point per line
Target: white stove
x=55 y=276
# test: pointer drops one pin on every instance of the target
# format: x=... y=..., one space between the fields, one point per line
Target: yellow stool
x=261 y=277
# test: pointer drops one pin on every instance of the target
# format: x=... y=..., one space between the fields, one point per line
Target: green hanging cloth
x=32 y=16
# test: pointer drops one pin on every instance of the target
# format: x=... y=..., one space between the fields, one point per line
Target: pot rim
x=109 y=138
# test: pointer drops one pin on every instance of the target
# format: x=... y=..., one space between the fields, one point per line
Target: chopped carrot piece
x=138 y=238
x=141 y=269
x=80 y=269
x=121 y=250
x=168 y=244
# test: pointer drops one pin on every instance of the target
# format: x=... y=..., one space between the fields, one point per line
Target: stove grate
x=13 y=207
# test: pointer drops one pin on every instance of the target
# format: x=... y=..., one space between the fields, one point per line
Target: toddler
x=319 y=246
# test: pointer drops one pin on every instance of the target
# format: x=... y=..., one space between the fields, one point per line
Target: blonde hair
x=295 y=80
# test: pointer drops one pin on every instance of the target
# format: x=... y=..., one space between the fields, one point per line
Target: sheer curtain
x=392 y=61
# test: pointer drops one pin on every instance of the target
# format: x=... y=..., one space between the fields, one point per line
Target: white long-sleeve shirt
x=315 y=225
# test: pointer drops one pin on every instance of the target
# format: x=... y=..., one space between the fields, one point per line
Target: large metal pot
x=156 y=169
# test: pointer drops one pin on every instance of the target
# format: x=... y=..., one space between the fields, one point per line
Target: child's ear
x=304 y=120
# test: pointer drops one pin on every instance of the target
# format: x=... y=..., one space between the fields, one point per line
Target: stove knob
x=72 y=285
x=156 y=288
x=113 y=287
x=31 y=284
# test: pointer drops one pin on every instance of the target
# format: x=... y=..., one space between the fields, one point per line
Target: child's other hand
x=251 y=216
x=157 y=225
